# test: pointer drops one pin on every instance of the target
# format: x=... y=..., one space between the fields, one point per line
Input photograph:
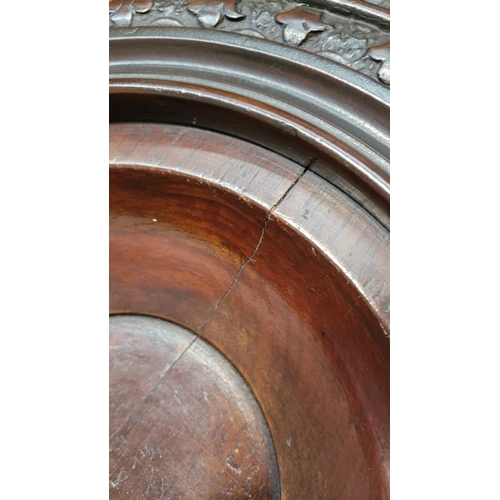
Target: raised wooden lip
x=323 y=112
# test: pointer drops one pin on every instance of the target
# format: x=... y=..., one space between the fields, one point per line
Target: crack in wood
x=259 y=243
x=163 y=374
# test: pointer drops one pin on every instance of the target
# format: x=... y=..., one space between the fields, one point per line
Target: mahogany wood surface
x=210 y=233
x=184 y=423
x=284 y=274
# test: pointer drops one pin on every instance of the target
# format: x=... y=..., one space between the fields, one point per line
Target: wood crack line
x=167 y=368
x=259 y=243
x=163 y=375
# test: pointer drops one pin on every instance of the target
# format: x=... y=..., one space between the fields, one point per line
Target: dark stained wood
x=282 y=273
x=302 y=106
x=206 y=222
x=259 y=174
x=140 y=351
x=183 y=424
x=323 y=381
x=343 y=231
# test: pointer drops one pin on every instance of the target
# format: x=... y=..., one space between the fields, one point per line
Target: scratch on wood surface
x=119 y=479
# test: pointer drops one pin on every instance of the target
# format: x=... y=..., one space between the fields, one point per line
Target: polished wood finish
x=210 y=232
x=284 y=274
x=184 y=423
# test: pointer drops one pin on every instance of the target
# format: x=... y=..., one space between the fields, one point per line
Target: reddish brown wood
x=184 y=424
x=283 y=273
x=178 y=231
x=317 y=361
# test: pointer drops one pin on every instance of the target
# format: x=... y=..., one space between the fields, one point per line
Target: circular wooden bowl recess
x=249 y=263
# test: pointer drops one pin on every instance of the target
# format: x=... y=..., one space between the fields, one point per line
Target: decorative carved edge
x=373 y=11
x=334 y=36
x=210 y=12
x=383 y=54
x=299 y=22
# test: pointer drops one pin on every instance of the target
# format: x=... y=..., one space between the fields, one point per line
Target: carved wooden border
x=352 y=33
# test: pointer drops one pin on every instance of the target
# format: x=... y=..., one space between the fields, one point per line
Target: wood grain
x=355 y=242
x=212 y=219
x=350 y=244
x=192 y=427
x=258 y=174
x=284 y=274
x=323 y=382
